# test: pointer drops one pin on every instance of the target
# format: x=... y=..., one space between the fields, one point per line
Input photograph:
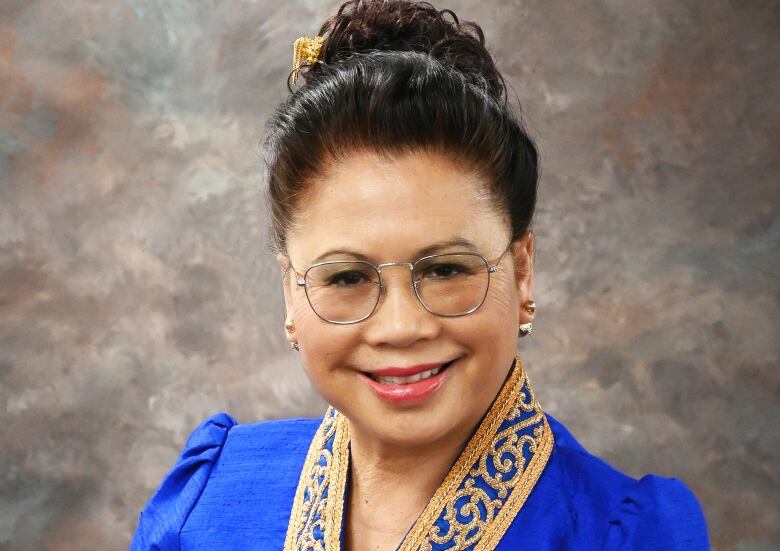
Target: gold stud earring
x=526 y=328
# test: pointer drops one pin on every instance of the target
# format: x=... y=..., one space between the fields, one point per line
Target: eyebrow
x=459 y=242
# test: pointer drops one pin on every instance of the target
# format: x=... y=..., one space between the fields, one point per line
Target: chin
x=410 y=428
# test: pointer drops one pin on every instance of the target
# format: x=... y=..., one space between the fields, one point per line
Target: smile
x=392 y=386
x=411 y=378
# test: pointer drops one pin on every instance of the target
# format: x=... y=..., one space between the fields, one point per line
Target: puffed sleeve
x=657 y=513
x=166 y=512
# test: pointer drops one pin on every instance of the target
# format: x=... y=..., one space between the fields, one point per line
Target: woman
x=402 y=190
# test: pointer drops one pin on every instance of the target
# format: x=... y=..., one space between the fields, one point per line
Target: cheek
x=501 y=299
x=494 y=322
x=324 y=346
x=302 y=312
x=312 y=332
x=307 y=322
x=496 y=319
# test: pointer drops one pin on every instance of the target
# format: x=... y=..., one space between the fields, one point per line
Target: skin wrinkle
x=388 y=209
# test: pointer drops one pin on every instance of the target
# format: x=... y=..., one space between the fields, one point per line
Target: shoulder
x=219 y=455
x=289 y=435
x=612 y=510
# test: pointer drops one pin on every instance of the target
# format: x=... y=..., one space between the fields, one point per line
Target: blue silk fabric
x=234 y=484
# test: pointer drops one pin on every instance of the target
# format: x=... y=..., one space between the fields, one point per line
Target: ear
x=523 y=252
x=288 y=279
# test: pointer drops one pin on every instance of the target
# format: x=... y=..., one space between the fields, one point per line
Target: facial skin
x=389 y=210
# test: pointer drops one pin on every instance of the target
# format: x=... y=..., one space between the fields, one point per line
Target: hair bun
x=362 y=26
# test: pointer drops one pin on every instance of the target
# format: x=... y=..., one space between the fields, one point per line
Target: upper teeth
x=410 y=378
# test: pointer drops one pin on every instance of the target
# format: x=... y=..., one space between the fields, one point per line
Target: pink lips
x=411 y=392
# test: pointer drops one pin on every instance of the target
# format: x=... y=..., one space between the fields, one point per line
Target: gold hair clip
x=305 y=50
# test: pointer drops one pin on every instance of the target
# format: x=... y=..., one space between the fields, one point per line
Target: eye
x=348 y=279
x=443 y=271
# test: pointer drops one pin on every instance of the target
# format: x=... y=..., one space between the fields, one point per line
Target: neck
x=372 y=461
x=389 y=486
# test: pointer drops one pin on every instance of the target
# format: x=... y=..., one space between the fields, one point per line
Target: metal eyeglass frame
x=301 y=282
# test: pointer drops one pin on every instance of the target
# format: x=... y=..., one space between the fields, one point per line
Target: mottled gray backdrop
x=137 y=296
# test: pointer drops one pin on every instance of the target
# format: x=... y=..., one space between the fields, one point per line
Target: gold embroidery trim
x=318 y=511
x=520 y=493
x=516 y=396
x=334 y=512
x=301 y=508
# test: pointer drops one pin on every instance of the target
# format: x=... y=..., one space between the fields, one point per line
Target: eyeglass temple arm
x=299 y=281
x=494 y=268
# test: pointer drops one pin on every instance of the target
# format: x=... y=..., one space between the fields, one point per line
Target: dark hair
x=396 y=76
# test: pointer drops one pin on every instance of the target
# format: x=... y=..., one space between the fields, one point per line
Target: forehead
x=388 y=207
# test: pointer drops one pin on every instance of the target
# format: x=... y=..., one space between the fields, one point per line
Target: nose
x=400 y=319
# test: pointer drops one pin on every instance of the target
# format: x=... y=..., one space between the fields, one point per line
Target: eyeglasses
x=348 y=291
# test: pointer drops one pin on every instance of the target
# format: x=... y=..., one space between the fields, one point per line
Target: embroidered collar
x=473 y=507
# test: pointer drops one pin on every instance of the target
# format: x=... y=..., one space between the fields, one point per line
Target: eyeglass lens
x=447 y=285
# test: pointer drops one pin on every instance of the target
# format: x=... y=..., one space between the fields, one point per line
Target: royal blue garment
x=233 y=488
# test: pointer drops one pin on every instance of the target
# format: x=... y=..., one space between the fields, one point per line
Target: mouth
x=409 y=379
x=392 y=387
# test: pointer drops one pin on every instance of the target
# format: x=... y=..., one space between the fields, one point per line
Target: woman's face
x=395 y=210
